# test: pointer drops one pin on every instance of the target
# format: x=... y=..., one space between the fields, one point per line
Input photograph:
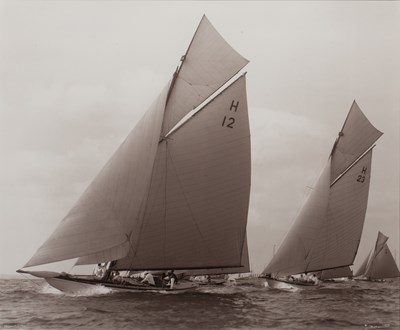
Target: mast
x=178 y=68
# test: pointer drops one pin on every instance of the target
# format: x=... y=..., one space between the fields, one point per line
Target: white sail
x=208 y=64
x=356 y=136
x=327 y=231
x=363 y=267
x=102 y=218
x=182 y=193
x=291 y=257
x=383 y=266
x=196 y=211
x=379 y=244
x=338 y=242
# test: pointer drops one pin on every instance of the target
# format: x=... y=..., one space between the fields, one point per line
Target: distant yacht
x=327 y=231
x=379 y=263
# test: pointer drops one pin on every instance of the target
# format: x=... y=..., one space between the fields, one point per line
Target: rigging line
x=31 y=279
x=353 y=164
x=165 y=200
x=144 y=205
x=318 y=270
x=185 y=267
x=355 y=253
x=241 y=250
x=142 y=212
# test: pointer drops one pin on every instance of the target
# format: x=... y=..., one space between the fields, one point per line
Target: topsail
x=175 y=200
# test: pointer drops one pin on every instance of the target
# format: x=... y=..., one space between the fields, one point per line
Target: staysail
x=102 y=217
x=327 y=231
x=363 y=267
x=166 y=202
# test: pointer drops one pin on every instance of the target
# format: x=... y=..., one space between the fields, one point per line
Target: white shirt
x=149 y=279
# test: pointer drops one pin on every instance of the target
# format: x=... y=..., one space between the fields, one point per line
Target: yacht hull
x=83 y=286
x=284 y=285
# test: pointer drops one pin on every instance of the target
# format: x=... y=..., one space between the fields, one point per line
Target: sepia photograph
x=199 y=164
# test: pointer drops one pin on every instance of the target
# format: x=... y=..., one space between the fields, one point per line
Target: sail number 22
x=230 y=121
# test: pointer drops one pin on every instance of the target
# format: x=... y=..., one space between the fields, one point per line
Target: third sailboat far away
x=379 y=264
x=175 y=194
x=326 y=233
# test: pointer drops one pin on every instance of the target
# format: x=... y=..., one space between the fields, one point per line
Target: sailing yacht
x=327 y=231
x=175 y=194
x=379 y=264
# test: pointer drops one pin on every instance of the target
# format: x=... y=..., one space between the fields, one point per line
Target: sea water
x=32 y=304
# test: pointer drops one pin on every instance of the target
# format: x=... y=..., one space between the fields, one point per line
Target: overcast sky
x=76 y=76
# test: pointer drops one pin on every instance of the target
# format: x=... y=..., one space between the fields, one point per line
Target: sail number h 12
x=230 y=121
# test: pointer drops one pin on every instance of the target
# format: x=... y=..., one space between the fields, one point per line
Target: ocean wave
x=26 y=305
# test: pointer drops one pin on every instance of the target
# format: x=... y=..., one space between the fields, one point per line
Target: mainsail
x=327 y=231
x=199 y=192
x=171 y=201
x=381 y=264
